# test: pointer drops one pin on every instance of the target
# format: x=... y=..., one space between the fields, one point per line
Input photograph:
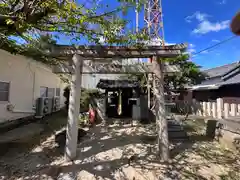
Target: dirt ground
x=105 y=151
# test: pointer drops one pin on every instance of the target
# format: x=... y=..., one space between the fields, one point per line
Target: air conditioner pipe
x=12 y=109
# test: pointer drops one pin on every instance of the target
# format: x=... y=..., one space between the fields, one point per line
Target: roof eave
x=206 y=87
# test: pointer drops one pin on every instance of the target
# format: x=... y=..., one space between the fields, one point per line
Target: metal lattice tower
x=154 y=21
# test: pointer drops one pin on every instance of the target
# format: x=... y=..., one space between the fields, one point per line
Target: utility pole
x=154 y=28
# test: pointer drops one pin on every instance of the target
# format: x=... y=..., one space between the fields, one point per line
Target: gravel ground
x=105 y=152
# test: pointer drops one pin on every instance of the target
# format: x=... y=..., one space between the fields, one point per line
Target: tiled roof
x=221 y=70
x=220 y=76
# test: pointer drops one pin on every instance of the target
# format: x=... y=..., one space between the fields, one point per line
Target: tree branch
x=105 y=14
x=14 y=5
x=4 y=17
x=80 y=31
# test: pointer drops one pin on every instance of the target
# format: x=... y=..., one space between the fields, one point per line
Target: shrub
x=86 y=95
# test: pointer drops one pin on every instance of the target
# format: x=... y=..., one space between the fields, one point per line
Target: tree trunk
x=161 y=121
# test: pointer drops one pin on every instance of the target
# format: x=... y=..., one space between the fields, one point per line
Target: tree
x=86 y=96
x=141 y=77
x=88 y=19
x=189 y=73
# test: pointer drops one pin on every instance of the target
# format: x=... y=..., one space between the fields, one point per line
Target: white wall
x=90 y=81
x=25 y=77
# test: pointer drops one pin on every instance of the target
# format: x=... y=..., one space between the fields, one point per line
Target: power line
x=215 y=45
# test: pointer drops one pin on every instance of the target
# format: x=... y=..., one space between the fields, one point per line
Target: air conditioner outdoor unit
x=56 y=104
x=43 y=106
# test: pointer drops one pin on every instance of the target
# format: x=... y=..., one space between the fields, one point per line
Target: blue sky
x=201 y=23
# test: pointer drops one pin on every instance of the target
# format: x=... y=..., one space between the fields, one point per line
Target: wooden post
x=219 y=108
x=209 y=109
x=214 y=110
x=74 y=107
x=233 y=109
x=161 y=120
x=226 y=110
x=204 y=109
x=238 y=109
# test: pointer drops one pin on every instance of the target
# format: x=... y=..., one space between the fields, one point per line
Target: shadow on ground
x=125 y=150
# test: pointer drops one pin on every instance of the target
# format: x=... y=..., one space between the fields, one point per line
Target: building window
x=43 y=91
x=4 y=91
x=58 y=91
x=51 y=92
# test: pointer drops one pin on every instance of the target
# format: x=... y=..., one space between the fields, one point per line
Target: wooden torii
x=99 y=53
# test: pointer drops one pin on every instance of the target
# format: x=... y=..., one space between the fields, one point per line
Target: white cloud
x=222 y=2
x=191 y=48
x=215 y=40
x=197 y=15
x=205 y=26
x=191 y=45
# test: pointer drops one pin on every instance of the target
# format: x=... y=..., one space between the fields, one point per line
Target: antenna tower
x=154 y=21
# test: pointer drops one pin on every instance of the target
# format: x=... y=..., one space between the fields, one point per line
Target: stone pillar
x=238 y=109
x=74 y=108
x=226 y=110
x=161 y=121
x=149 y=90
x=211 y=128
x=214 y=110
x=233 y=109
x=105 y=105
x=194 y=107
x=209 y=109
x=204 y=109
x=200 y=111
x=219 y=108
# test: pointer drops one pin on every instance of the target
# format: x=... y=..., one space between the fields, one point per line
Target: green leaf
x=9 y=21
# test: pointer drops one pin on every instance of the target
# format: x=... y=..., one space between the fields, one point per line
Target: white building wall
x=26 y=76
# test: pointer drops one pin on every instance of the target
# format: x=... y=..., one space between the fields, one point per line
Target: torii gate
x=98 y=53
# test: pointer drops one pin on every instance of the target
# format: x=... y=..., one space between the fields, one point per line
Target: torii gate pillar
x=160 y=111
x=74 y=107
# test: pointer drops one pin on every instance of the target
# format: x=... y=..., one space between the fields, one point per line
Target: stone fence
x=220 y=108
